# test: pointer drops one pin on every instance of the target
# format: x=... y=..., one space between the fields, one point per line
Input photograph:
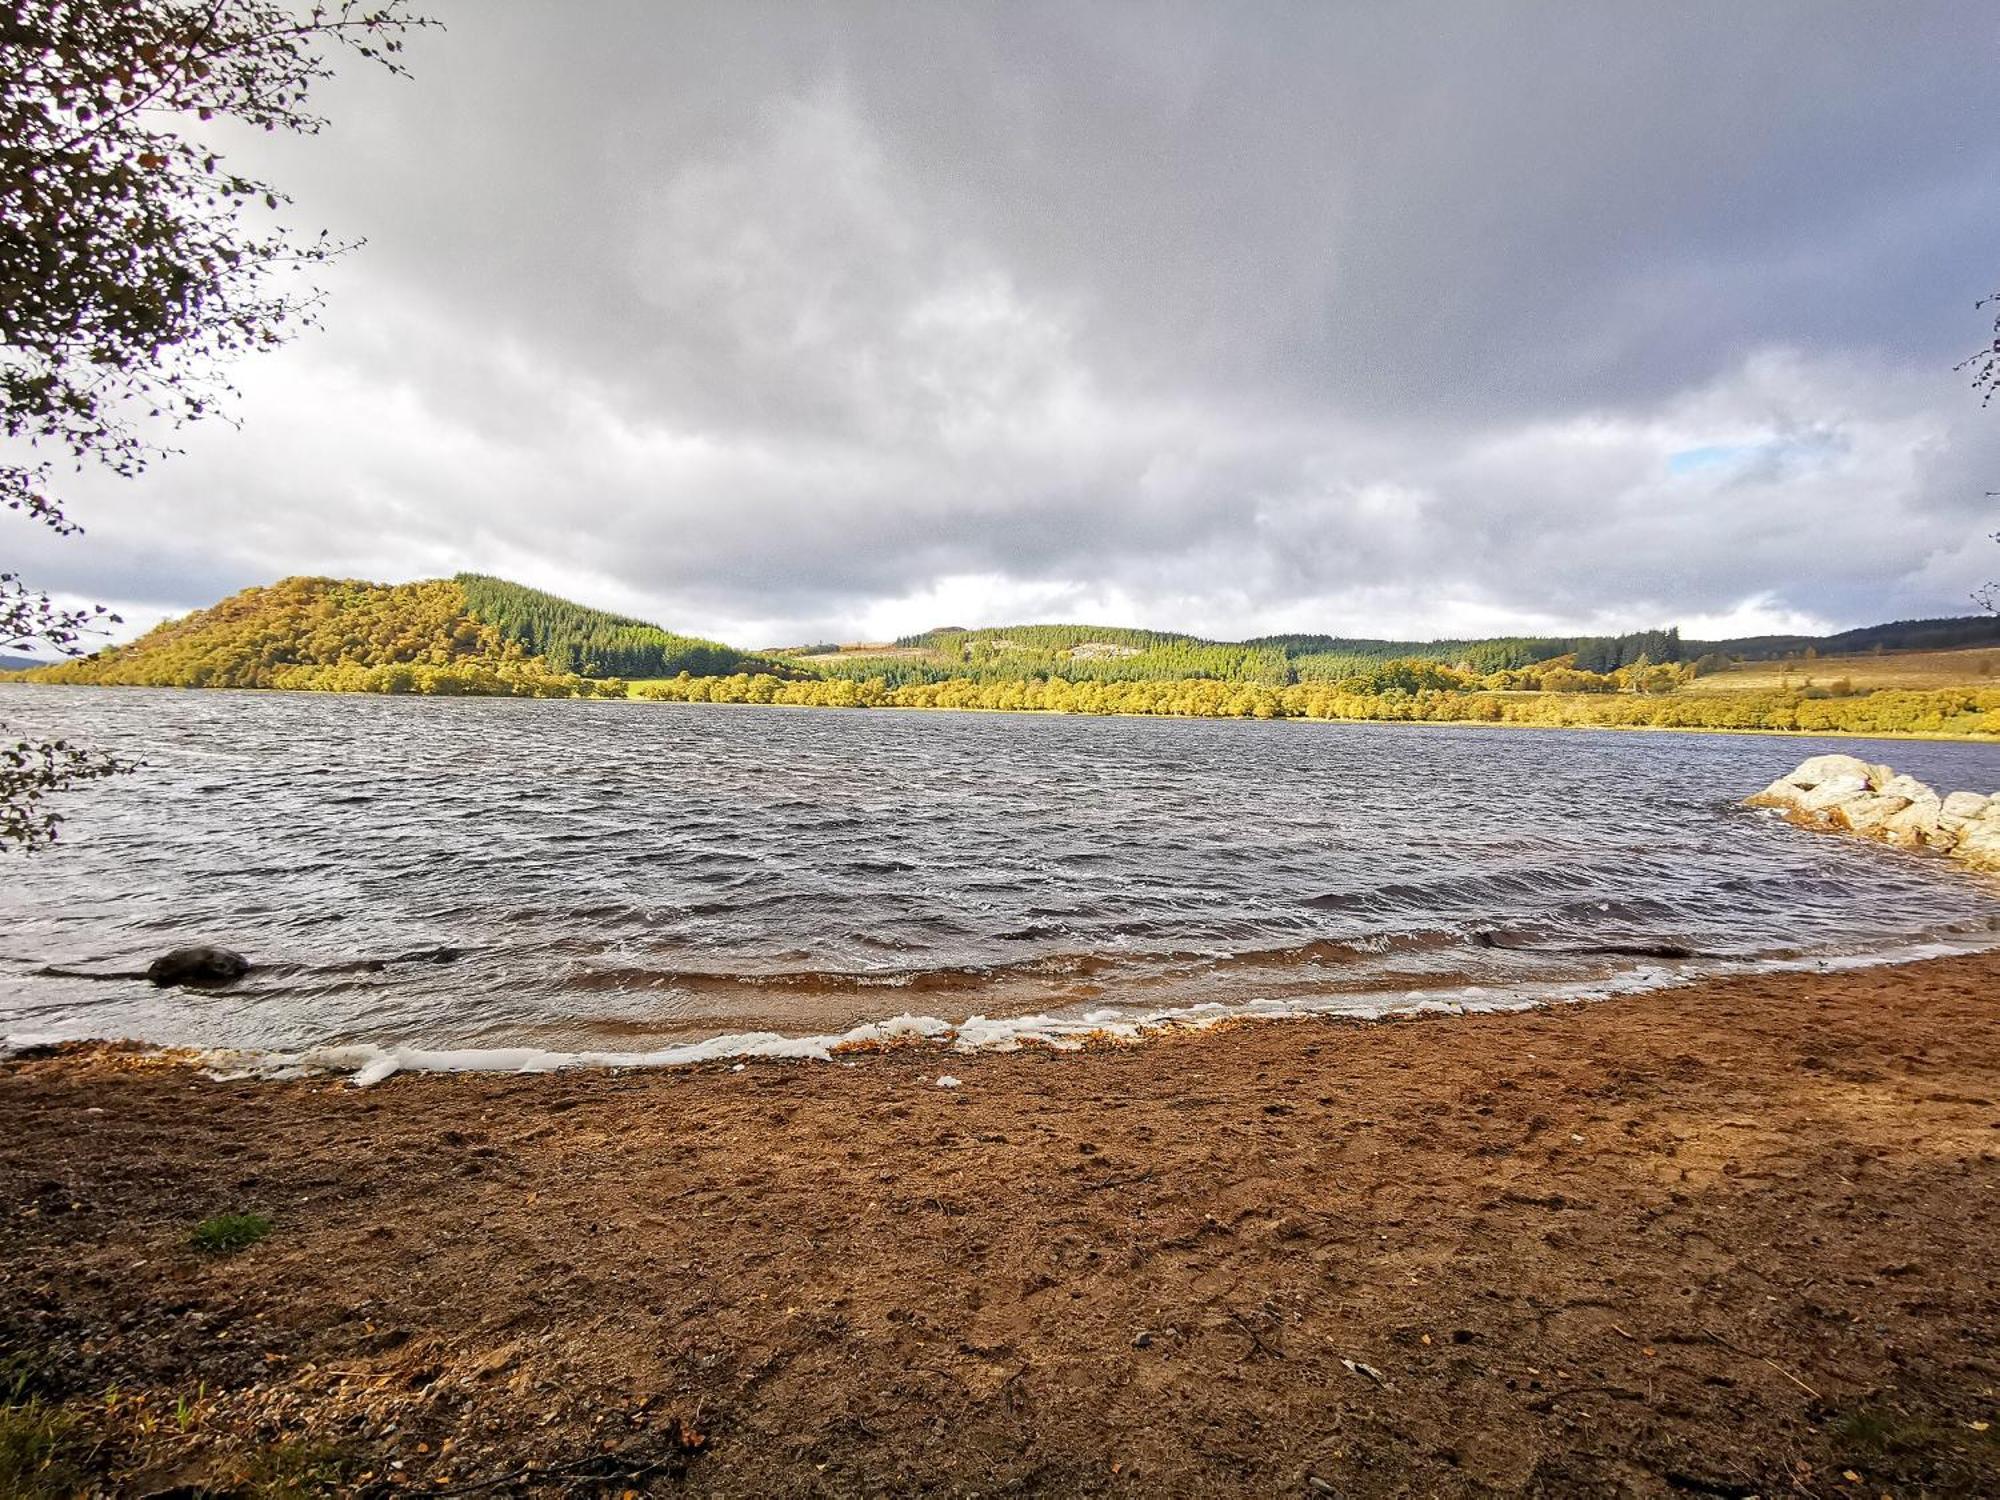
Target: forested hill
x=1109 y=653
x=591 y=643
x=468 y=634
x=1105 y=653
x=478 y=634
x=1898 y=635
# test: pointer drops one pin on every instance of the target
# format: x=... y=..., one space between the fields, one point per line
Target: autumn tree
x=135 y=262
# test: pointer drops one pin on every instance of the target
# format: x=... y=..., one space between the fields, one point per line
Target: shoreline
x=366 y=1064
x=1926 y=736
x=1728 y=1238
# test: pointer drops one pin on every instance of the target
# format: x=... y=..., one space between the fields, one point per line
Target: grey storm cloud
x=787 y=320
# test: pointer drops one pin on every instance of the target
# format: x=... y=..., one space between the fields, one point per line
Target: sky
x=790 y=322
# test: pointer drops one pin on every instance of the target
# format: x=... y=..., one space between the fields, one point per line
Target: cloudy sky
x=787 y=321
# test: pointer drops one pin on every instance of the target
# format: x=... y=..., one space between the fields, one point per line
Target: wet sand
x=1733 y=1239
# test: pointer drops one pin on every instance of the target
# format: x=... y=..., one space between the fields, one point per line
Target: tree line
x=1948 y=711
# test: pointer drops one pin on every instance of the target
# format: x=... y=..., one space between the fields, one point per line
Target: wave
x=371 y=1063
x=1475 y=951
x=1132 y=965
x=1484 y=890
x=944 y=978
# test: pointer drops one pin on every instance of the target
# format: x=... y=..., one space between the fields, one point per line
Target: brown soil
x=1730 y=1240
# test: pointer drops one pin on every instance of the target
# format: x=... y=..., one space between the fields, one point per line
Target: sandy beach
x=1735 y=1239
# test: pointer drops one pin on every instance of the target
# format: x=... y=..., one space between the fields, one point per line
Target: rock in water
x=1833 y=792
x=1922 y=822
x=1961 y=808
x=1826 y=767
x=1843 y=792
x=1870 y=812
x=1831 y=777
x=1979 y=844
x=203 y=963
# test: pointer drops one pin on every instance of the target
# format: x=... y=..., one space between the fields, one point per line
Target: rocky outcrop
x=1847 y=793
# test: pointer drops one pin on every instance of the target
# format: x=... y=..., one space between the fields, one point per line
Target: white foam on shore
x=370 y=1064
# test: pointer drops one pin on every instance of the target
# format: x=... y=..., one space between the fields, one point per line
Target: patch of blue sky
x=1720 y=456
x=1772 y=455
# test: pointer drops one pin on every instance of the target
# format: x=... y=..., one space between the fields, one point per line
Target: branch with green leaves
x=135 y=264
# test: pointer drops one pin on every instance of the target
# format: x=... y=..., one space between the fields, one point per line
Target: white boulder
x=1869 y=812
x=1830 y=792
x=1920 y=823
x=1822 y=768
x=1961 y=808
x=1979 y=844
x=1846 y=792
x=1907 y=787
x=1783 y=792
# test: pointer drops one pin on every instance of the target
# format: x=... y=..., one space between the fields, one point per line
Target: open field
x=1730 y=1240
x=1976 y=666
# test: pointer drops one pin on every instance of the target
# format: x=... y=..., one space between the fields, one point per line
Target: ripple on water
x=605 y=871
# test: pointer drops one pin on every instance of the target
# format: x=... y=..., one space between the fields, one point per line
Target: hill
x=470 y=634
x=1947 y=634
x=475 y=634
x=1106 y=653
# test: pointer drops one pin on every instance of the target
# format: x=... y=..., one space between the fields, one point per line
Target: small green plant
x=187 y=1412
x=227 y=1233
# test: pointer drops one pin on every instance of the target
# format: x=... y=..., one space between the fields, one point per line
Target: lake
x=485 y=873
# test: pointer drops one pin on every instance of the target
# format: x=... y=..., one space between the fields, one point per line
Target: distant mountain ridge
x=1122 y=653
x=479 y=634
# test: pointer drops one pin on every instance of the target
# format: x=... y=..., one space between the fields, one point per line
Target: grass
x=1936 y=1457
x=49 y=1451
x=227 y=1233
x=1972 y=666
x=292 y=1470
x=1874 y=1431
x=37 y=1444
x=39 y=1441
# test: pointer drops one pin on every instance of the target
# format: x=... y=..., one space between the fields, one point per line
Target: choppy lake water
x=625 y=876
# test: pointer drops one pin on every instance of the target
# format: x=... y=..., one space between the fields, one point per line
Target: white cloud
x=750 y=328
